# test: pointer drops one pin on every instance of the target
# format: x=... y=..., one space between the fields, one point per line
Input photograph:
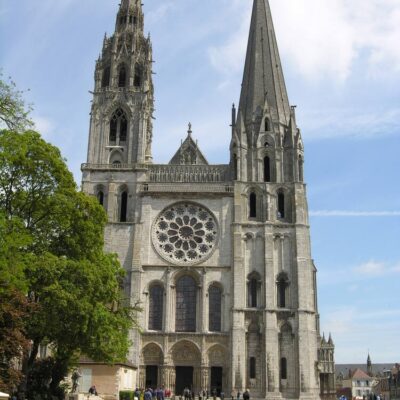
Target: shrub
x=126 y=395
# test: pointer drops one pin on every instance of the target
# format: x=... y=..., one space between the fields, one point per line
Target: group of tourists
x=161 y=393
x=152 y=394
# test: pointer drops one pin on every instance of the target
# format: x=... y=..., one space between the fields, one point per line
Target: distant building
x=326 y=354
x=360 y=383
x=394 y=382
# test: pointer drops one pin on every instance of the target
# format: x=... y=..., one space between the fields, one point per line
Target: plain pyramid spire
x=263 y=81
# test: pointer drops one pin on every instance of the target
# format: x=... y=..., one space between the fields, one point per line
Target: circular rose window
x=185 y=233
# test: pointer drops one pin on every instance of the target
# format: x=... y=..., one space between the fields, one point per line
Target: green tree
x=74 y=287
x=14 y=114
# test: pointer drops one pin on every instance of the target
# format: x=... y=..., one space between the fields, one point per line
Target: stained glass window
x=214 y=309
x=186 y=296
x=156 y=304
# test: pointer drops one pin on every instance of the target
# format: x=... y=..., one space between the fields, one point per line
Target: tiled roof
x=360 y=374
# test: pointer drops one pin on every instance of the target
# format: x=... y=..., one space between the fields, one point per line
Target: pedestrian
x=246 y=395
x=147 y=394
x=238 y=395
x=93 y=390
x=222 y=395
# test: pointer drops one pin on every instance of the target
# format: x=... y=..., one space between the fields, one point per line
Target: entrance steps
x=82 y=396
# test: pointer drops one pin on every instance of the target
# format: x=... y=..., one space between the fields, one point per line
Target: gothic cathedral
x=218 y=256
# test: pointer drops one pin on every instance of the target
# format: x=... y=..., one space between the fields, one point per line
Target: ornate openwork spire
x=263 y=81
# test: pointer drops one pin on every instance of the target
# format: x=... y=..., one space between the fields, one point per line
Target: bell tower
x=123 y=97
x=275 y=321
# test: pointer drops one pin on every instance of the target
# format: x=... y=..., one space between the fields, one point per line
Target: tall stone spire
x=263 y=82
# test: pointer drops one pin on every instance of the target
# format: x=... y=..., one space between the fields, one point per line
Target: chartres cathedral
x=219 y=256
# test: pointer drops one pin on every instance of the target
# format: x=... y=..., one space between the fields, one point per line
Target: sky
x=342 y=67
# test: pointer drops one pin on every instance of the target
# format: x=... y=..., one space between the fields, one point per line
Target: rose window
x=185 y=233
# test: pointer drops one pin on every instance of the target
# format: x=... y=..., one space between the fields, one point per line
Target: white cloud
x=328 y=123
x=371 y=268
x=44 y=126
x=346 y=213
x=159 y=13
x=325 y=38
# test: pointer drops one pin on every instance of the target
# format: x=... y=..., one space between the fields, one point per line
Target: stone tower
x=271 y=218
x=123 y=84
x=219 y=256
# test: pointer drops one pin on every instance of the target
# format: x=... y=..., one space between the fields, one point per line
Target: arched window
x=281 y=205
x=138 y=75
x=235 y=167
x=156 y=305
x=123 y=129
x=100 y=197
x=124 y=207
x=105 y=81
x=267 y=169
x=253 y=368
x=283 y=368
x=253 y=289
x=186 y=299
x=301 y=173
x=267 y=125
x=214 y=308
x=122 y=76
x=253 y=205
x=118 y=127
x=282 y=285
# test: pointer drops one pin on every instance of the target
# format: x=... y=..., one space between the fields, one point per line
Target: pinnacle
x=263 y=81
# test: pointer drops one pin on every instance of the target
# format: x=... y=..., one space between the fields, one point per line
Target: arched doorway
x=186 y=358
x=152 y=359
x=217 y=358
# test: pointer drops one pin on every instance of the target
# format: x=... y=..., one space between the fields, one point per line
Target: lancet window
x=253 y=205
x=267 y=169
x=118 y=127
x=122 y=76
x=156 y=305
x=282 y=285
x=281 y=205
x=215 y=308
x=186 y=304
x=105 y=81
x=123 y=207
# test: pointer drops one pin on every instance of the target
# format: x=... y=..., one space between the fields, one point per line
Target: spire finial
x=190 y=129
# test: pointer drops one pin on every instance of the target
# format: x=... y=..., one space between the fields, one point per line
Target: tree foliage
x=53 y=252
x=14 y=114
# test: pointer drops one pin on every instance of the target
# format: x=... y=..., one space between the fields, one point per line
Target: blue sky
x=342 y=67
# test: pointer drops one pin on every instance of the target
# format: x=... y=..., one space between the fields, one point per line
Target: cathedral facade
x=218 y=256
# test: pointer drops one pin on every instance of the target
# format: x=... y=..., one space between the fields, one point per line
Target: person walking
x=246 y=395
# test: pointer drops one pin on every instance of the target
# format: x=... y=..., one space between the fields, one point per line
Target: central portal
x=184 y=379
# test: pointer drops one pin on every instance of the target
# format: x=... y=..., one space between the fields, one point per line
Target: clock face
x=185 y=233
